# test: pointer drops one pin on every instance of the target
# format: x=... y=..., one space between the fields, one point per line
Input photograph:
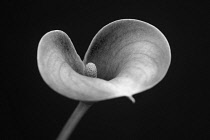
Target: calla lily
x=128 y=56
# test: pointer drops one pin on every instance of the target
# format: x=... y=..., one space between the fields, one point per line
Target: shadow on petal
x=131 y=54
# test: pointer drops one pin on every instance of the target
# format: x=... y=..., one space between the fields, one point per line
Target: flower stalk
x=78 y=113
x=80 y=110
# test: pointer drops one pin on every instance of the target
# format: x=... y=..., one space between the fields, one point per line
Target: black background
x=175 y=108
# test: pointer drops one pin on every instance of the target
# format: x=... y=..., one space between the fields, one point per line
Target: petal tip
x=132 y=99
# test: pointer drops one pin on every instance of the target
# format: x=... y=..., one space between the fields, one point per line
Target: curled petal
x=62 y=69
x=130 y=56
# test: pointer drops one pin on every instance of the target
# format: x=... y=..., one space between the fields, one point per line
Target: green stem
x=69 y=127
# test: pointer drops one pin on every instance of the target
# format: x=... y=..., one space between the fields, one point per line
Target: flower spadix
x=128 y=56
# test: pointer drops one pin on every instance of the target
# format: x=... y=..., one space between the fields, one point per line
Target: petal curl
x=62 y=69
x=133 y=55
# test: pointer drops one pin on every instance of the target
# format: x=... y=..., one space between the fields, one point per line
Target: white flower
x=128 y=56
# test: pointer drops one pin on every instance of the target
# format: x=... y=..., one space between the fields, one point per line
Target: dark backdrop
x=175 y=108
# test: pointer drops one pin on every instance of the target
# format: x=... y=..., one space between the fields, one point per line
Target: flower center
x=91 y=70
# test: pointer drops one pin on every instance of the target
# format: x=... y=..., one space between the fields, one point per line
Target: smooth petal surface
x=130 y=55
x=62 y=69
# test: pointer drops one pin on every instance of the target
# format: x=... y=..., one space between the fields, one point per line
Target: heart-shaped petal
x=130 y=56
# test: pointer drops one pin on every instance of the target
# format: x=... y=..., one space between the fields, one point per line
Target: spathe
x=130 y=56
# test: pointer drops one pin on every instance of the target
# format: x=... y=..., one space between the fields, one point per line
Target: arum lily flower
x=126 y=57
